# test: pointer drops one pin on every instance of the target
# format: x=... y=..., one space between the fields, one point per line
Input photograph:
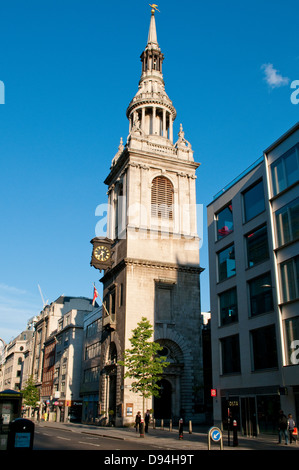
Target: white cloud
x=273 y=77
x=12 y=289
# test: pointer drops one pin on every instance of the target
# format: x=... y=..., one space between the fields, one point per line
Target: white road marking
x=89 y=443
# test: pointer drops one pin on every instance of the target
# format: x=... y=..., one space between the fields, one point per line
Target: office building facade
x=253 y=231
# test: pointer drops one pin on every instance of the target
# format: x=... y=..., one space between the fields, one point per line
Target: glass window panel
x=254 y=201
x=228 y=307
x=290 y=279
x=261 y=298
x=225 y=223
x=230 y=351
x=296 y=263
x=283 y=228
x=264 y=349
x=257 y=246
x=285 y=171
x=278 y=177
x=226 y=263
x=294 y=220
x=287 y=223
x=292 y=168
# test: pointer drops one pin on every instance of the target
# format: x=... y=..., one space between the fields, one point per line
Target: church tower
x=150 y=256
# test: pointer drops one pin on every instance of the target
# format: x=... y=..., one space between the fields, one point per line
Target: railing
x=238 y=178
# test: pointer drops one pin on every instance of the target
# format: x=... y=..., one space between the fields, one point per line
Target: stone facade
x=13 y=368
x=155 y=253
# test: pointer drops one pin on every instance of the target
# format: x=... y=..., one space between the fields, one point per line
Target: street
x=47 y=438
x=71 y=436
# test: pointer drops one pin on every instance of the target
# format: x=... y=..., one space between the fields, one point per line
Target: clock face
x=101 y=253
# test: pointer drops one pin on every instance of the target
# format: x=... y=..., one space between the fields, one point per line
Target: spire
x=151 y=112
x=152 y=56
x=152 y=34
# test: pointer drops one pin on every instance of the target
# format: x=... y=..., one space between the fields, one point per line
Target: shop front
x=252 y=413
x=90 y=408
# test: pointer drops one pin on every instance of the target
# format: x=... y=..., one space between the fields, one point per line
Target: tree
x=30 y=393
x=143 y=363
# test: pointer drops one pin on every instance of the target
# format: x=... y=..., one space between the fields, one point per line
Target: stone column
x=143 y=119
x=154 y=120
x=170 y=128
x=164 y=133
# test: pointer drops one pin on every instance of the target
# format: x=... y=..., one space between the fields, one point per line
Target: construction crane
x=41 y=294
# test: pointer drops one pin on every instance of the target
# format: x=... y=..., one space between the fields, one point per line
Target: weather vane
x=154 y=7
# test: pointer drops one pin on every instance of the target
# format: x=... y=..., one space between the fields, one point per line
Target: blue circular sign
x=215 y=434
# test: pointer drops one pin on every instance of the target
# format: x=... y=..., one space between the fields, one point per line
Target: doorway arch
x=162 y=404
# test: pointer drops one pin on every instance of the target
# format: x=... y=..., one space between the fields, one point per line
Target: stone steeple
x=151 y=112
x=154 y=269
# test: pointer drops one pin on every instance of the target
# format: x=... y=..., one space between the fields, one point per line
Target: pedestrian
x=282 y=427
x=291 y=426
x=138 y=421
x=147 y=420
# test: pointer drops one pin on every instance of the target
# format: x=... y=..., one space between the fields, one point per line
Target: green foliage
x=142 y=362
x=30 y=393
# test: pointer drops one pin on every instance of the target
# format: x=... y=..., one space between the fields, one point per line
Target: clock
x=101 y=253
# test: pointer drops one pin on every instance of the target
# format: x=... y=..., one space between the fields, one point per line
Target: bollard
x=154 y=423
x=141 y=428
x=190 y=427
x=162 y=424
x=235 y=433
x=228 y=427
x=170 y=425
x=181 y=429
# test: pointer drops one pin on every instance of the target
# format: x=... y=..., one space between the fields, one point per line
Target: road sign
x=216 y=435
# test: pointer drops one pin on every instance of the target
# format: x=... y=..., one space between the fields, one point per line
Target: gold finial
x=154 y=8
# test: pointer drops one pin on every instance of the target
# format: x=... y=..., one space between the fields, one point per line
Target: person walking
x=282 y=428
x=291 y=425
x=147 y=420
x=138 y=421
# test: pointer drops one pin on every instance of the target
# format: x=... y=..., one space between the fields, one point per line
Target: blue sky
x=70 y=69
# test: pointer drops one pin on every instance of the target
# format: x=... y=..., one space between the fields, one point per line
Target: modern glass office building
x=253 y=230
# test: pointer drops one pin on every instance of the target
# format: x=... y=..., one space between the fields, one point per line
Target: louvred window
x=162 y=198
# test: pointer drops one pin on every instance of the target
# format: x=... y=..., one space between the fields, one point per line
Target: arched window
x=162 y=198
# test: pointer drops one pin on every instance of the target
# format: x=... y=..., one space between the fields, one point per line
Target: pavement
x=164 y=439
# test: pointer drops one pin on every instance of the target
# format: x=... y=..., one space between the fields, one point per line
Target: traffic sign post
x=215 y=435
